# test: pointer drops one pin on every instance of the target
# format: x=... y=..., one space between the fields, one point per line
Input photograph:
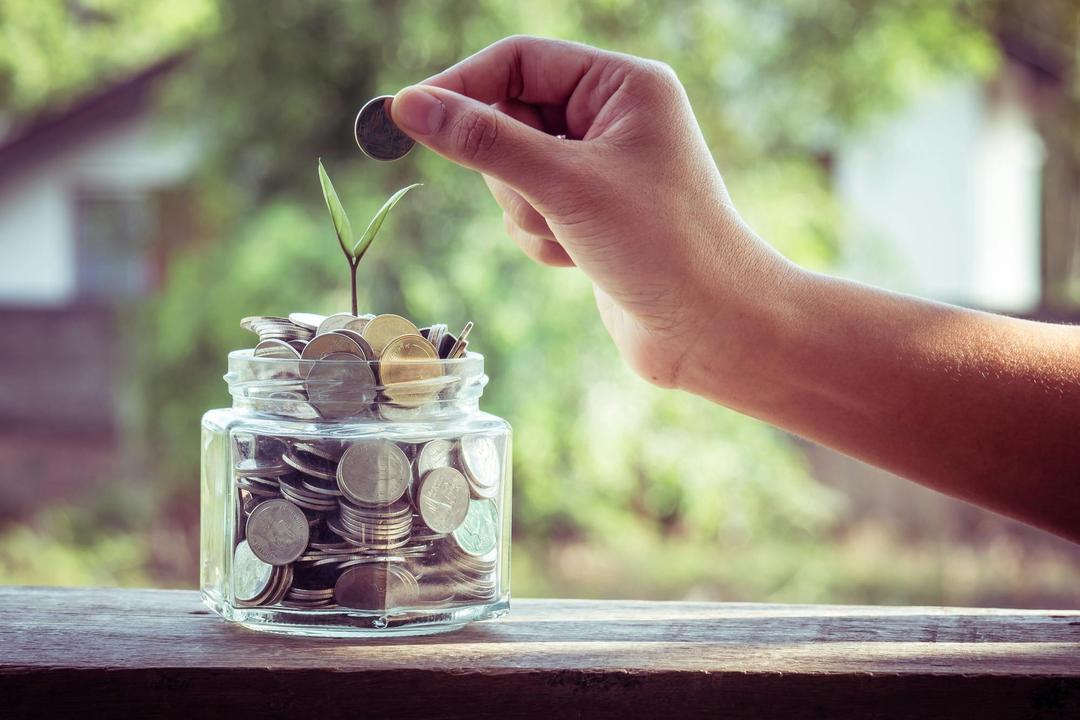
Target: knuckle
x=517 y=39
x=664 y=72
x=475 y=134
x=658 y=79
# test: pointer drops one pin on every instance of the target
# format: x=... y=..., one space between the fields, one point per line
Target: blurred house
x=91 y=195
x=944 y=198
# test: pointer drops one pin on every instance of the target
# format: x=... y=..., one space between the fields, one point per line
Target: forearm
x=983 y=407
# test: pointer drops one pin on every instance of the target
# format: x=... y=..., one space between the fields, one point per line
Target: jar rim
x=343 y=389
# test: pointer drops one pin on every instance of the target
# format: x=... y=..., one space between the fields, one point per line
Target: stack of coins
x=368 y=524
x=341 y=365
x=256 y=582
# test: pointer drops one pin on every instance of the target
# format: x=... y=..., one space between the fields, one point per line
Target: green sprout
x=354 y=251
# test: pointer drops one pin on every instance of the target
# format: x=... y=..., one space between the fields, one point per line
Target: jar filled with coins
x=355 y=486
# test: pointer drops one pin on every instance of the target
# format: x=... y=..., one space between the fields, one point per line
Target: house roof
x=57 y=129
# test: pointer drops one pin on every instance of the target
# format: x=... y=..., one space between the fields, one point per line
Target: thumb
x=479 y=136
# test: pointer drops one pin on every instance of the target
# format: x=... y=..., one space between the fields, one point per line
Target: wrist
x=750 y=318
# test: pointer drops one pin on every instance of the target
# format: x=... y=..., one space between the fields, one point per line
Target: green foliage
x=50 y=49
x=342 y=226
x=599 y=455
x=604 y=465
x=376 y=223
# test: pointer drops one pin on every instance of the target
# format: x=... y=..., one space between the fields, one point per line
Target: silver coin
x=480 y=457
x=288 y=357
x=436 y=334
x=277 y=532
x=250 y=467
x=250 y=575
x=330 y=450
x=340 y=385
x=443 y=499
x=334 y=322
x=397 y=413
x=376 y=133
x=357 y=338
x=375 y=586
x=478 y=535
x=358 y=324
x=311 y=321
x=312 y=465
x=276 y=349
x=373 y=472
x=293 y=404
x=434 y=454
x=325 y=344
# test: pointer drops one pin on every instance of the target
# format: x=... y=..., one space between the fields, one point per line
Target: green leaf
x=364 y=242
x=337 y=213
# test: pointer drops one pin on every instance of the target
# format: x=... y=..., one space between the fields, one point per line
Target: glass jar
x=332 y=505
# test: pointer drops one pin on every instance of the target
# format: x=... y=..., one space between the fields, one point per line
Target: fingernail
x=418 y=111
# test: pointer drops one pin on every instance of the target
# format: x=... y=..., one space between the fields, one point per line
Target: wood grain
x=151 y=653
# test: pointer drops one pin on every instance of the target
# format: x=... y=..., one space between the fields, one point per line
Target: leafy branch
x=355 y=251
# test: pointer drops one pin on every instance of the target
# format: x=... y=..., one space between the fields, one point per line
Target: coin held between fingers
x=377 y=135
x=418 y=111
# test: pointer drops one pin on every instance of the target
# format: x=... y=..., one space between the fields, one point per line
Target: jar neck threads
x=332 y=390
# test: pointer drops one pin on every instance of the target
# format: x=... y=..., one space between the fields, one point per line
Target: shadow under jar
x=335 y=505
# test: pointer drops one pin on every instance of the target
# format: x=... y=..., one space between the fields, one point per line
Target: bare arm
x=979 y=406
x=983 y=407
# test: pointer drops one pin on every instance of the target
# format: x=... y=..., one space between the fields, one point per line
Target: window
x=114 y=232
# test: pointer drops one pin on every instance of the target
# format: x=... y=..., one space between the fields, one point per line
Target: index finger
x=538 y=71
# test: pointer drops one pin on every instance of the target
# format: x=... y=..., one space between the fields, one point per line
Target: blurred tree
x=598 y=455
x=655 y=486
x=52 y=48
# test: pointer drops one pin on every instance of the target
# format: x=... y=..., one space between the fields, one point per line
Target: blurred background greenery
x=619 y=489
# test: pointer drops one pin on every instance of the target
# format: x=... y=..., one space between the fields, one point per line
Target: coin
x=373 y=471
x=375 y=586
x=311 y=321
x=277 y=532
x=275 y=328
x=340 y=385
x=434 y=454
x=276 y=349
x=357 y=338
x=322 y=345
x=250 y=467
x=443 y=499
x=334 y=322
x=376 y=133
x=309 y=464
x=480 y=458
x=384 y=328
x=250 y=575
x=405 y=364
x=458 y=349
x=330 y=450
x=478 y=534
x=359 y=323
x=435 y=335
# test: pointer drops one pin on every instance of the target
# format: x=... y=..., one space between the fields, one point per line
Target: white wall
x=943 y=199
x=37 y=232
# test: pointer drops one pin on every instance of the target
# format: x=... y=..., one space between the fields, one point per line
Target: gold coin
x=406 y=361
x=381 y=329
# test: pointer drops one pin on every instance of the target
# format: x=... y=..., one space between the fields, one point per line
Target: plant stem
x=353 y=264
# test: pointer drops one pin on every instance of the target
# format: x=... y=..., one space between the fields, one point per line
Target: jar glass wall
x=331 y=506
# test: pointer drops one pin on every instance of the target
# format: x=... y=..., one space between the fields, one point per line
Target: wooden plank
x=161 y=654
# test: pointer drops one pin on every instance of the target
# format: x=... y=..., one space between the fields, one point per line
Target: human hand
x=630 y=194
